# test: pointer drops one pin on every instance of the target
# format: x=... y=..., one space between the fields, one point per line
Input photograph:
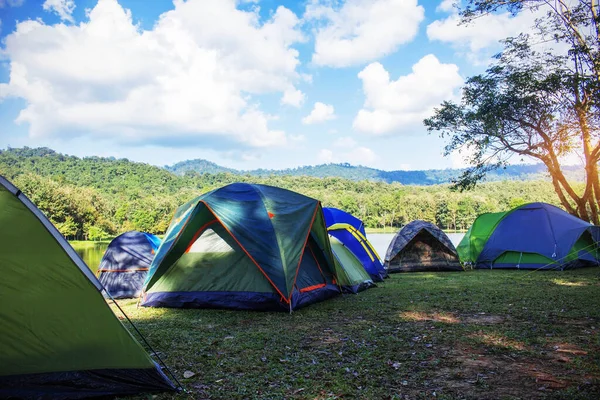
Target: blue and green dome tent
x=60 y=340
x=350 y=232
x=125 y=263
x=245 y=246
x=532 y=236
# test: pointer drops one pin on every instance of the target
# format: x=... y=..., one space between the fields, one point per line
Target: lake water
x=92 y=252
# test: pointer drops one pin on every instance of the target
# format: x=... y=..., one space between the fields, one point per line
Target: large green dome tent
x=60 y=339
x=532 y=236
x=244 y=246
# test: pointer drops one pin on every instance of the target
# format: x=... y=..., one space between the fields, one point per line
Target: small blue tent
x=125 y=263
x=350 y=231
x=532 y=236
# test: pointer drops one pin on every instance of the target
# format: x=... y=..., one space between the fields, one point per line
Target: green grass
x=478 y=334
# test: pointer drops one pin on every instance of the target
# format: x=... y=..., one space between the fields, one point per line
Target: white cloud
x=404 y=103
x=325 y=156
x=361 y=30
x=63 y=8
x=320 y=113
x=345 y=141
x=293 y=97
x=361 y=155
x=447 y=5
x=189 y=80
x=480 y=38
x=461 y=158
x=297 y=139
x=306 y=78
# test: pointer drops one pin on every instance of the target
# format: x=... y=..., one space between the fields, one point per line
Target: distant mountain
x=358 y=173
x=200 y=166
x=99 y=172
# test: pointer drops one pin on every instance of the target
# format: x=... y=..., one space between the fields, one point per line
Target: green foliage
x=98 y=197
x=94 y=232
x=68 y=228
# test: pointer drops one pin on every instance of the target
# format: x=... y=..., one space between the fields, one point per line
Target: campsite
x=471 y=333
x=308 y=200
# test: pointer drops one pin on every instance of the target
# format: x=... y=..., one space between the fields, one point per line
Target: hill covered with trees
x=95 y=197
x=358 y=173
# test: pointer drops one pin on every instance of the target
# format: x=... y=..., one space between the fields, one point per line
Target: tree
x=534 y=102
x=94 y=232
x=67 y=228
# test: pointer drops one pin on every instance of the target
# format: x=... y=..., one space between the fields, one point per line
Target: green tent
x=244 y=246
x=531 y=236
x=351 y=274
x=60 y=339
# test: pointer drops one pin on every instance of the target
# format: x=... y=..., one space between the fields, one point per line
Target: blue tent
x=350 y=231
x=532 y=236
x=125 y=263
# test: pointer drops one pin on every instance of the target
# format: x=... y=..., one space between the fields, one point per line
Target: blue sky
x=245 y=84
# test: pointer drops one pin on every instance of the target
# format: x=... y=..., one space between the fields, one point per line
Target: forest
x=94 y=198
x=520 y=172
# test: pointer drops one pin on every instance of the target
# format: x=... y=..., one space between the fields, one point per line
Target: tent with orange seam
x=244 y=246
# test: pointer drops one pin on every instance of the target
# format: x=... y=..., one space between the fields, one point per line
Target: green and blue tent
x=532 y=236
x=245 y=246
x=60 y=340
